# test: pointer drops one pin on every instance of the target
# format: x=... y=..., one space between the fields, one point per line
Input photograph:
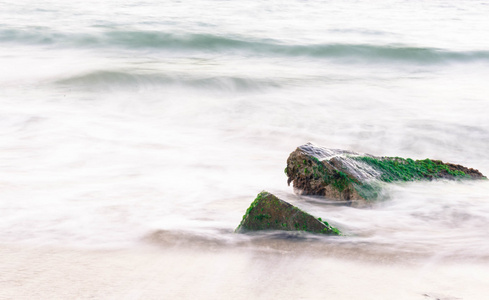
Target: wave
x=108 y=80
x=202 y=42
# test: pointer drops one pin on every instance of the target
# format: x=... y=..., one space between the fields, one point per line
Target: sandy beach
x=155 y=273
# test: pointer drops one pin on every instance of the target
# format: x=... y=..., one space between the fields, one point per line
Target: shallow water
x=134 y=123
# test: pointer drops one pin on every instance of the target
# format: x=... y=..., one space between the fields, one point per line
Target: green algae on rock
x=267 y=212
x=346 y=175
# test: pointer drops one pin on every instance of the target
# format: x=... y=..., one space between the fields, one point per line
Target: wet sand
x=44 y=272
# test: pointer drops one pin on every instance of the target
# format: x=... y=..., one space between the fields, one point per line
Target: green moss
x=338 y=179
x=267 y=212
x=254 y=204
x=260 y=217
x=400 y=169
x=336 y=231
x=368 y=191
x=329 y=228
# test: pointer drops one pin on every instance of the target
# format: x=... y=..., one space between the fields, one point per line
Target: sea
x=134 y=134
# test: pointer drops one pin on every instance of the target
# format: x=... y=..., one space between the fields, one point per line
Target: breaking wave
x=107 y=79
x=203 y=42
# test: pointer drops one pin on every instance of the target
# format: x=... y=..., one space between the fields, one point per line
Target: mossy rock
x=267 y=212
x=345 y=175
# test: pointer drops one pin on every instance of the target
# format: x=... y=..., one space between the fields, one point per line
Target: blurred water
x=119 y=120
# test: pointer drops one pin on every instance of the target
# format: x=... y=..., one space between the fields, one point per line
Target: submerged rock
x=268 y=212
x=346 y=175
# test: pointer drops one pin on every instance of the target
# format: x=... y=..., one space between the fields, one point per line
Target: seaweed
x=267 y=212
x=400 y=169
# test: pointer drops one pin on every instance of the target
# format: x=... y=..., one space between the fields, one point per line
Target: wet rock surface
x=267 y=212
x=345 y=175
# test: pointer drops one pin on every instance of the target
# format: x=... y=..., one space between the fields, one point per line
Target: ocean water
x=126 y=123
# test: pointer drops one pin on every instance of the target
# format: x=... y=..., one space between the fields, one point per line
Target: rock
x=268 y=212
x=345 y=175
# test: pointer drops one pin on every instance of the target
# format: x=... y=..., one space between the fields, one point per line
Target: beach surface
x=155 y=273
